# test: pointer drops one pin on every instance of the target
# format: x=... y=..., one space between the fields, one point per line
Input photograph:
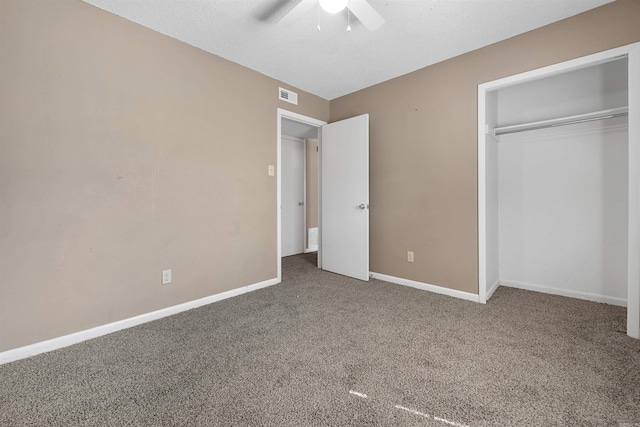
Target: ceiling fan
x=360 y=8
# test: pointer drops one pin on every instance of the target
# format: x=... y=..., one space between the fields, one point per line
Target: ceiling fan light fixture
x=333 y=6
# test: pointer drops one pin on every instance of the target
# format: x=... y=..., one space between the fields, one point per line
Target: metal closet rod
x=563 y=121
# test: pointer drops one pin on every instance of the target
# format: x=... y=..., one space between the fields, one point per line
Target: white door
x=344 y=166
x=293 y=209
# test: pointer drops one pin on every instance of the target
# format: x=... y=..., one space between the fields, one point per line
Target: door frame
x=632 y=51
x=290 y=115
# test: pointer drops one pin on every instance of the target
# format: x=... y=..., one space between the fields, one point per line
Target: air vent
x=287 y=96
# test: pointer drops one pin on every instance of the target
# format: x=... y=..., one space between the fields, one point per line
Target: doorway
x=297 y=202
x=299 y=160
x=496 y=160
x=343 y=193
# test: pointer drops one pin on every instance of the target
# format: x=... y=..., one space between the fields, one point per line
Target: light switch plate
x=166 y=277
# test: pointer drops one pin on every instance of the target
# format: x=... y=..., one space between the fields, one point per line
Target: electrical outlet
x=271 y=170
x=409 y=256
x=166 y=277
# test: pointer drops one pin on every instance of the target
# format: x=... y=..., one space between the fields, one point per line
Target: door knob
x=300 y=203
x=362 y=206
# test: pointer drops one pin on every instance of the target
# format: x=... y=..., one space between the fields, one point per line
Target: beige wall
x=122 y=153
x=312 y=183
x=423 y=161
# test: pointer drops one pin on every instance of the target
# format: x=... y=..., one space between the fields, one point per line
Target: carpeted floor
x=323 y=350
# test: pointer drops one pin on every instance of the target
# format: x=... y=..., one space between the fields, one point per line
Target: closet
x=555 y=190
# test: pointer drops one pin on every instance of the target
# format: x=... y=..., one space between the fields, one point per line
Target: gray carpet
x=323 y=350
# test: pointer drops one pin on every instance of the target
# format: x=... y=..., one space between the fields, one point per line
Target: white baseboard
x=634 y=333
x=67 y=340
x=565 y=292
x=492 y=289
x=250 y=288
x=311 y=249
x=427 y=287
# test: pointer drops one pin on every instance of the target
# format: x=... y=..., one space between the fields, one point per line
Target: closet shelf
x=562 y=121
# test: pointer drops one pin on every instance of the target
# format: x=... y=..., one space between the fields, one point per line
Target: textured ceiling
x=333 y=62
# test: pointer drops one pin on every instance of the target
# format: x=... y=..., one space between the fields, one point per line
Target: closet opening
x=558 y=181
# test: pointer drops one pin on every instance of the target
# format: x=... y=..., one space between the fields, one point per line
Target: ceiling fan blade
x=366 y=14
x=297 y=11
